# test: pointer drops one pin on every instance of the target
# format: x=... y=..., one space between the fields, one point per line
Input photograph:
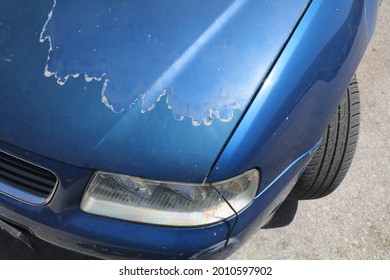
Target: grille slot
x=26 y=176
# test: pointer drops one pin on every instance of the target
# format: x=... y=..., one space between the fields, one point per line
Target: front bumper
x=62 y=223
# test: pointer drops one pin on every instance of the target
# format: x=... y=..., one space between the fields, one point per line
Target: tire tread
x=333 y=158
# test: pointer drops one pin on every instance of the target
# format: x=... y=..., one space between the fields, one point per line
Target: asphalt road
x=351 y=223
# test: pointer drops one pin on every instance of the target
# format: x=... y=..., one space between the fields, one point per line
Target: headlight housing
x=168 y=203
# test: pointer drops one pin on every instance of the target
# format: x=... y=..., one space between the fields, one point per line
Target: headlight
x=167 y=203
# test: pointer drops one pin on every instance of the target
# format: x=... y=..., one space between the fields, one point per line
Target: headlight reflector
x=167 y=203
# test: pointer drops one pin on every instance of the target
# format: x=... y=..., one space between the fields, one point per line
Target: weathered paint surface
x=63 y=122
x=200 y=62
x=150 y=50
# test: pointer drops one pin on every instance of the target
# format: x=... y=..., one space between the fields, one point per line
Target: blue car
x=172 y=129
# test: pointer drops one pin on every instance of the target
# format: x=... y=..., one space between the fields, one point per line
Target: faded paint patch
x=5 y=59
x=146 y=51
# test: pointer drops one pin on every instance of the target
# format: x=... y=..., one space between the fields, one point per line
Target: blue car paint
x=302 y=92
x=62 y=223
x=220 y=69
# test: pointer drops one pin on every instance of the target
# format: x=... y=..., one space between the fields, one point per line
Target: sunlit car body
x=183 y=92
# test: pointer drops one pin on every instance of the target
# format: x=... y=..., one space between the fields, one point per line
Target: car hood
x=147 y=88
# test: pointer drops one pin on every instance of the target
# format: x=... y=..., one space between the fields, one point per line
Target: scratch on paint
x=93 y=52
x=208 y=252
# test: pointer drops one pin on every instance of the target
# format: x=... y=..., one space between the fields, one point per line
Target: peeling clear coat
x=125 y=83
x=177 y=74
x=69 y=123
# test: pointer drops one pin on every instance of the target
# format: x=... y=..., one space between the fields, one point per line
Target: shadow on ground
x=284 y=215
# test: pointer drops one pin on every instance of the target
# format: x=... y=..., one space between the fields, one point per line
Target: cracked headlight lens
x=167 y=203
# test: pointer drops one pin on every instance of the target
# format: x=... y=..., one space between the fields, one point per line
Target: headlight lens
x=167 y=203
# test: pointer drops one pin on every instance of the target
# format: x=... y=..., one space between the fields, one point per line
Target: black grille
x=26 y=176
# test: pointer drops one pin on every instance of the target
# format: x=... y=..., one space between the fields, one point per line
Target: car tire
x=333 y=158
